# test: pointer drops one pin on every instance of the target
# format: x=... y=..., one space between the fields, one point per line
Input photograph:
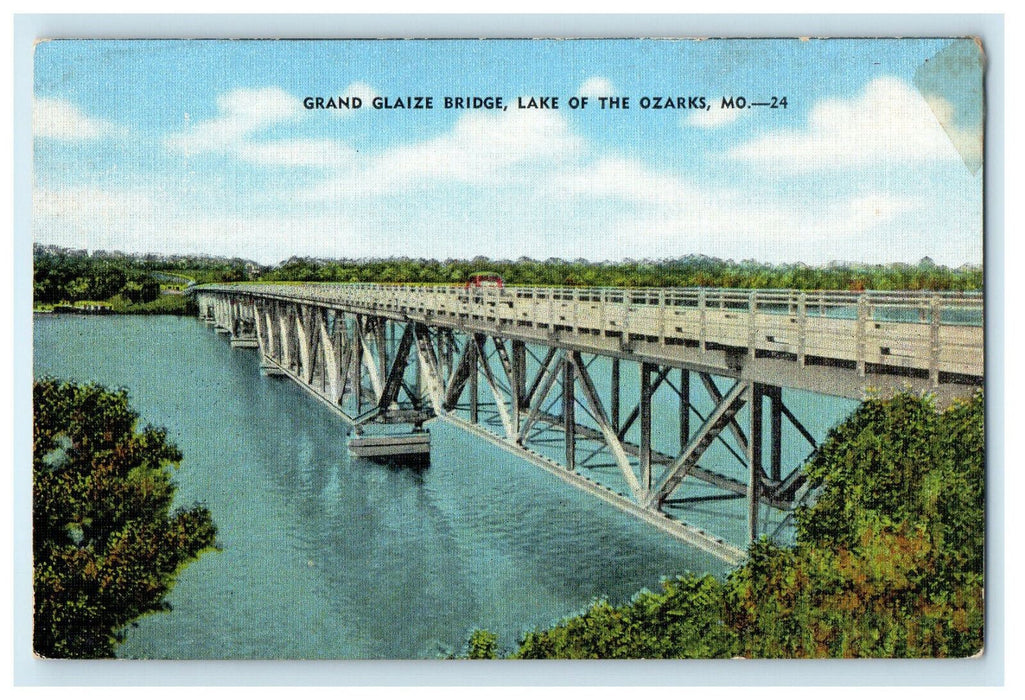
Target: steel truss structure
x=586 y=417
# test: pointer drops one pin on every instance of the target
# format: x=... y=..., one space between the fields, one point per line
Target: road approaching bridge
x=552 y=361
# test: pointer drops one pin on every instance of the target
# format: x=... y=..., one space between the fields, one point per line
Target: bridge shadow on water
x=414 y=465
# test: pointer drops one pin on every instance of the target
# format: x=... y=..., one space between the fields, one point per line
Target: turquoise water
x=326 y=556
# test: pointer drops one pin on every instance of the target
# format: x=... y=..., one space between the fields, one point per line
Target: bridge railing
x=927 y=331
x=955 y=308
x=904 y=306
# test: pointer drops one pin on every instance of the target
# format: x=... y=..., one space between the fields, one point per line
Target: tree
x=684 y=621
x=107 y=547
x=482 y=644
x=888 y=560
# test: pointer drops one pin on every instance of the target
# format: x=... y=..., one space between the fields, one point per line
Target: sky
x=206 y=147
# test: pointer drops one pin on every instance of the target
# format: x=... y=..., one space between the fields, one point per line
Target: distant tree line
x=133 y=282
x=129 y=283
x=223 y=268
x=63 y=277
x=689 y=271
x=888 y=560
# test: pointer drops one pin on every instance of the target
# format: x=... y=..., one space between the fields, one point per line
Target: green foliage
x=482 y=644
x=129 y=283
x=171 y=304
x=682 y=621
x=106 y=545
x=688 y=271
x=66 y=276
x=902 y=461
x=888 y=561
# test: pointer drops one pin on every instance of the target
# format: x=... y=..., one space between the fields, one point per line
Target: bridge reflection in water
x=575 y=379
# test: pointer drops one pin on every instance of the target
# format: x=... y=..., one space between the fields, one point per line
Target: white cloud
x=241 y=114
x=612 y=209
x=361 y=90
x=889 y=121
x=244 y=113
x=318 y=153
x=481 y=143
x=108 y=218
x=97 y=204
x=873 y=227
x=596 y=86
x=625 y=180
x=482 y=148
x=873 y=209
x=154 y=220
x=711 y=118
x=61 y=120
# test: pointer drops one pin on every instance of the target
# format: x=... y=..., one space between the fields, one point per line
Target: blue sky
x=205 y=147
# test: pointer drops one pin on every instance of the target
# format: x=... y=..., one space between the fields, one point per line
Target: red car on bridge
x=485 y=279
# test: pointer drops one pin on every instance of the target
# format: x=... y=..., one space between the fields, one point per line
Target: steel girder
x=374 y=368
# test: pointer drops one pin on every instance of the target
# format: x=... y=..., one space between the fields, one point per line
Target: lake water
x=326 y=556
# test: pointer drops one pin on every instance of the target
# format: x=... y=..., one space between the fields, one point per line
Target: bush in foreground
x=106 y=545
x=888 y=561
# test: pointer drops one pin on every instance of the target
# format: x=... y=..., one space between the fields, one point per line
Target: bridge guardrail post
x=662 y=316
x=752 y=328
x=802 y=326
x=935 y=318
x=551 y=314
x=628 y=307
x=576 y=310
x=859 y=333
x=603 y=297
x=703 y=330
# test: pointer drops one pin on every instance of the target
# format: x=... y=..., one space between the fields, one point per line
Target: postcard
x=508 y=349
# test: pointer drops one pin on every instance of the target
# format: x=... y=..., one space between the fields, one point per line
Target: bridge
x=544 y=373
